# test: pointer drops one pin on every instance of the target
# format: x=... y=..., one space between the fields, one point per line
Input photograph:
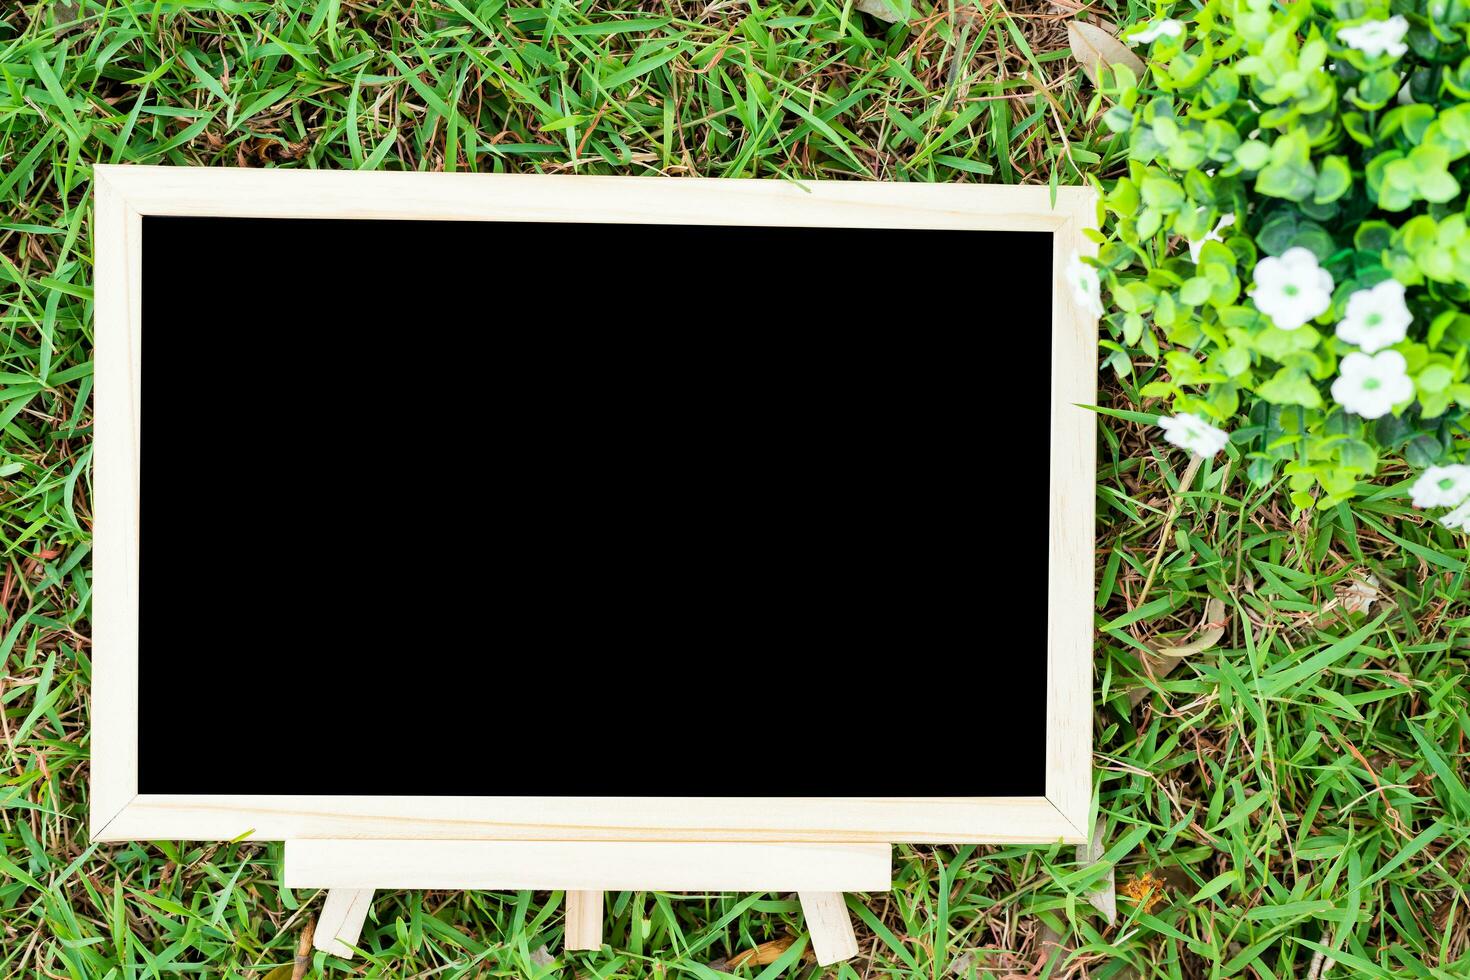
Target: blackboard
x=501 y=507
x=466 y=478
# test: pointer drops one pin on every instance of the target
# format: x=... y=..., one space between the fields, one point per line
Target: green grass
x=1298 y=788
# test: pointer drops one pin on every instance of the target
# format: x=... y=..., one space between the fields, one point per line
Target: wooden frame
x=591 y=865
x=119 y=812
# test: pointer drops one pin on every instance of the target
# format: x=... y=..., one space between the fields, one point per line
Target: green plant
x=1307 y=153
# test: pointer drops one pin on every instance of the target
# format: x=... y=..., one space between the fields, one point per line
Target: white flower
x=1214 y=236
x=1167 y=27
x=1442 y=486
x=1190 y=432
x=1292 y=289
x=1085 y=285
x=1458 y=518
x=1370 y=385
x=1376 y=318
x=1377 y=37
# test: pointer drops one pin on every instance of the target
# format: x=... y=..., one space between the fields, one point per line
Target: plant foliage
x=1267 y=113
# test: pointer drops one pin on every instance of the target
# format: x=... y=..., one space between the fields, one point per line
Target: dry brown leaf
x=1353 y=596
x=1144 y=889
x=762 y=955
x=65 y=14
x=879 y=9
x=303 y=950
x=1166 y=658
x=1094 y=48
x=1104 y=897
x=1212 y=628
x=960 y=965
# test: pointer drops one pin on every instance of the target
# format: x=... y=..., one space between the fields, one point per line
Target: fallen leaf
x=762 y=955
x=1145 y=890
x=303 y=950
x=961 y=964
x=1166 y=658
x=1094 y=48
x=1353 y=596
x=1212 y=628
x=541 y=956
x=879 y=9
x=281 y=972
x=1104 y=897
x=65 y=15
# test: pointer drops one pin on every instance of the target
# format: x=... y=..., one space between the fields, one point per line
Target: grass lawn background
x=1291 y=801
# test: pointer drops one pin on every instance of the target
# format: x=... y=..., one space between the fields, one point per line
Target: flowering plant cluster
x=1290 y=242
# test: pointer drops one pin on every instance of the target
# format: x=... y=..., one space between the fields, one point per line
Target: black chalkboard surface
x=711 y=503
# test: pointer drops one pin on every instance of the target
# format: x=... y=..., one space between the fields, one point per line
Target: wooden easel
x=351 y=870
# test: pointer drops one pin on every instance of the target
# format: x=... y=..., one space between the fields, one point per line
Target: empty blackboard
x=710 y=505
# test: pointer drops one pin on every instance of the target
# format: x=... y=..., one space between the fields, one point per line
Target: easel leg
x=340 y=922
x=828 y=921
x=584 y=921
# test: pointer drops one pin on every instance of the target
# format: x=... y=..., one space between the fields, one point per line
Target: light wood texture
x=1070 y=537
x=586 y=865
x=830 y=925
x=584 y=921
x=117 y=410
x=118 y=812
x=530 y=197
x=339 y=924
x=1012 y=820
